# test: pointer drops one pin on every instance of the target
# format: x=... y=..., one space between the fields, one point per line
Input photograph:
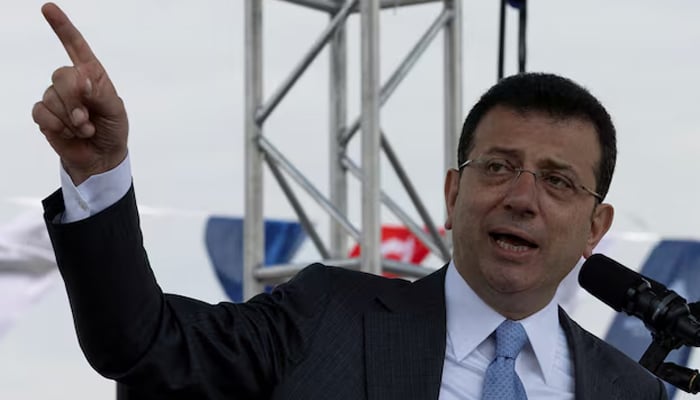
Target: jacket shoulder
x=599 y=364
x=338 y=281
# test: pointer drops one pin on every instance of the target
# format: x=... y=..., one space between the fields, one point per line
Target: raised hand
x=81 y=114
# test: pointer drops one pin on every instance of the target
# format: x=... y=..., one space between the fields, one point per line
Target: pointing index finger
x=77 y=48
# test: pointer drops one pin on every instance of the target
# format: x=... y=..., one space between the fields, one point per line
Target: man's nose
x=522 y=194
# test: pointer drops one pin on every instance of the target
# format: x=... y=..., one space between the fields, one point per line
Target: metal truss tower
x=259 y=151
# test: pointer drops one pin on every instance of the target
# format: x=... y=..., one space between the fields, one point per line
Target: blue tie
x=501 y=382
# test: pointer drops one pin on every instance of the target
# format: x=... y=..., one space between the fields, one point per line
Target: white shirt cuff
x=97 y=193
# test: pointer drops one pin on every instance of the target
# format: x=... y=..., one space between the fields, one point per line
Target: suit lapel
x=591 y=383
x=405 y=341
x=405 y=347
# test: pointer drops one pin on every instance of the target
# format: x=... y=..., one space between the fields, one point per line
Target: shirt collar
x=470 y=322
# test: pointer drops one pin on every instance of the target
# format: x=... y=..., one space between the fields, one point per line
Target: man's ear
x=600 y=223
x=451 y=189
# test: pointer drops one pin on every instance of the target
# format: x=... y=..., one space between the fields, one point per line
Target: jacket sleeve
x=178 y=347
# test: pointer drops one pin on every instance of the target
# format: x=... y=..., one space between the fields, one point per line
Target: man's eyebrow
x=547 y=163
x=551 y=163
x=503 y=151
x=560 y=166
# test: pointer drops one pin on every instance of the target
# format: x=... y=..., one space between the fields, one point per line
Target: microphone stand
x=653 y=358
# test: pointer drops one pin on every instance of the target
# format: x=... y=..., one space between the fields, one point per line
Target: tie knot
x=510 y=339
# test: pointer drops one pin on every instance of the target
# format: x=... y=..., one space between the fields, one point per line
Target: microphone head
x=608 y=280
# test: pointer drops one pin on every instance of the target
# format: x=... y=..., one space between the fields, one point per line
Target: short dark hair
x=552 y=94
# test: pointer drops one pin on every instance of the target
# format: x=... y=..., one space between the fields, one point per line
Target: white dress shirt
x=544 y=364
x=96 y=193
x=546 y=370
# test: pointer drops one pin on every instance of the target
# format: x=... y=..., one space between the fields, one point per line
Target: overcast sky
x=179 y=67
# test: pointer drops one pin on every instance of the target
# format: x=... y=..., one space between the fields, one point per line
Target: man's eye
x=558 y=181
x=498 y=167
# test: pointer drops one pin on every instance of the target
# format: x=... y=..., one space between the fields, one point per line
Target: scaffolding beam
x=259 y=149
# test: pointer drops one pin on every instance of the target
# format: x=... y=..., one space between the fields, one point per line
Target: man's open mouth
x=512 y=242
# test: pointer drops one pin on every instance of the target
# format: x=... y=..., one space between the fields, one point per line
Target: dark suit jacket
x=328 y=333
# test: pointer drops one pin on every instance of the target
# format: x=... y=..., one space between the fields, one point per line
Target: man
x=536 y=157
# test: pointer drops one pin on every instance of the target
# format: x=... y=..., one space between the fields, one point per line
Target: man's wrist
x=95 y=193
x=82 y=173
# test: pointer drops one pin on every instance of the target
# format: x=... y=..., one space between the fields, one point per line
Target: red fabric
x=398 y=243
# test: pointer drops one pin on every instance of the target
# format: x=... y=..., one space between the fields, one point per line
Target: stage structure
x=260 y=152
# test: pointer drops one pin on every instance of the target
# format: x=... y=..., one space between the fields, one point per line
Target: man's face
x=513 y=241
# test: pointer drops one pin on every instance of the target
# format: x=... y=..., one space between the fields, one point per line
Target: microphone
x=662 y=310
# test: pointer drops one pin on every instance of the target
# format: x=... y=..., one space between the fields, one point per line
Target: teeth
x=510 y=247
